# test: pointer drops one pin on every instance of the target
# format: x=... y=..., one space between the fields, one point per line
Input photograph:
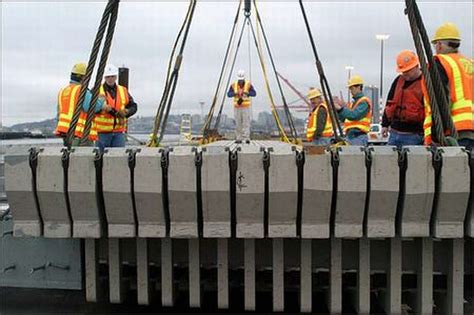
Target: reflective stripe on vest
x=107 y=122
x=459 y=72
x=239 y=93
x=67 y=101
x=362 y=124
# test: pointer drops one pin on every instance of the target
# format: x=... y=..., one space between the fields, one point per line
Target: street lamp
x=381 y=38
x=349 y=69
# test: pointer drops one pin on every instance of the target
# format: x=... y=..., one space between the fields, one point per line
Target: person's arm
x=320 y=122
x=391 y=94
x=252 y=91
x=443 y=75
x=100 y=104
x=131 y=108
x=231 y=92
x=354 y=114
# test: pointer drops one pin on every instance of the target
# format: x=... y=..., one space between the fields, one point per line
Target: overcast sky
x=42 y=40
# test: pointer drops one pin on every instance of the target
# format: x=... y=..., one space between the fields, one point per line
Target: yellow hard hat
x=313 y=93
x=355 y=80
x=79 y=68
x=447 y=31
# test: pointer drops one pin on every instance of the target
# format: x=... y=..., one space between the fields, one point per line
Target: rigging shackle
x=247 y=7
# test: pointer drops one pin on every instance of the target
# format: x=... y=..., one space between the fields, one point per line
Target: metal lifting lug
x=368 y=156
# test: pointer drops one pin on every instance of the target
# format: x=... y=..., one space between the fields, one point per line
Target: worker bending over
x=357 y=115
x=112 y=125
x=319 y=129
x=404 y=111
x=241 y=91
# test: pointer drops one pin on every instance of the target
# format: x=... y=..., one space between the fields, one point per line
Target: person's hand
x=385 y=132
x=240 y=101
x=107 y=108
x=122 y=113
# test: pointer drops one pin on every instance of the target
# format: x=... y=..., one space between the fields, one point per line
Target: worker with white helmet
x=357 y=115
x=456 y=72
x=241 y=91
x=67 y=102
x=319 y=128
x=112 y=125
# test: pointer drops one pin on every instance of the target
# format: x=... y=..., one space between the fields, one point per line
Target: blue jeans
x=360 y=139
x=401 y=139
x=110 y=140
x=322 y=141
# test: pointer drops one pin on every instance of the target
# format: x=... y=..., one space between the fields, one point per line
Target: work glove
x=240 y=101
x=122 y=113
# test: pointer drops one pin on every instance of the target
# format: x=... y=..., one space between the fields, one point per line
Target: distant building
x=372 y=92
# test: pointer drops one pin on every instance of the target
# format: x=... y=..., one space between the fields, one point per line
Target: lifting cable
x=100 y=72
x=439 y=101
x=284 y=137
x=336 y=126
x=210 y=115
x=289 y=118
x=112 y=6
x=171 y=80
x=229 y=78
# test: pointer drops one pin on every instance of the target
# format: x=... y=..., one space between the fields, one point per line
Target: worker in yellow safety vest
x=319 y=128
x=112 y=126
x=67 y=103
x=357 y=115
x=456 y=72
x=241 y=91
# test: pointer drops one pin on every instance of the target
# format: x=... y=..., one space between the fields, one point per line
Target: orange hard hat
x=407 y=60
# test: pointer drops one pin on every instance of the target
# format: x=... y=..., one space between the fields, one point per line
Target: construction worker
x=241 y=91
x=67 y=102
x=112 y=126
x=456 y=73
x=357 y=115
x=319 y=130
x=404 y=111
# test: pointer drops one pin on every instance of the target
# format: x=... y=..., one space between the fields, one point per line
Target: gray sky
x=42 y=40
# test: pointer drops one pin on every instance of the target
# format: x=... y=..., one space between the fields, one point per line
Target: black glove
x=240 y=101
x=113 y=112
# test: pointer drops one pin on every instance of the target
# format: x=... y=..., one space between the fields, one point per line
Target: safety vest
x=407 y=103
x=312 y=124
x=362 y=124
x=459 y=70
x=67 y=101
x=106 y=122
x=241 y=92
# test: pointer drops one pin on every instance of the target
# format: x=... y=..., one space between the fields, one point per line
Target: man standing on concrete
x=357 y=115
x=456 y=73
x=404 y=112
x=67 y=102
x=241 y=91
x=112 y=126
x=319 y=129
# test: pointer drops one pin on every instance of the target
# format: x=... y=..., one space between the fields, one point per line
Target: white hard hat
x=110 y=70
x=241 y=74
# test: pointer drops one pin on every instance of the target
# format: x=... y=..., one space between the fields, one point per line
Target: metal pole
x=381 y=68
x=348 y=91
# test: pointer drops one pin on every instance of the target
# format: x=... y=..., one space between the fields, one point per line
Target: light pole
x=349 y=69
x=381 y=38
